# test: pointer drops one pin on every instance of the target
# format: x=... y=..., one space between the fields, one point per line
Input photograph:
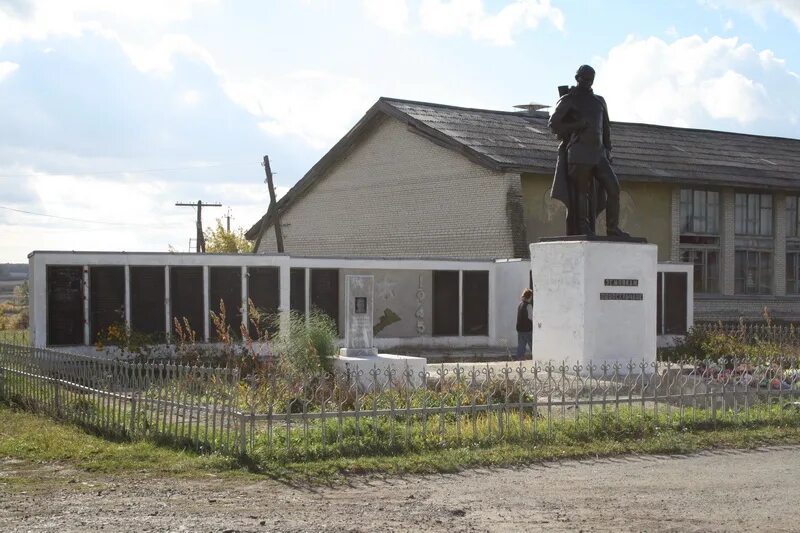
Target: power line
x=79 y=219
x=141 y=171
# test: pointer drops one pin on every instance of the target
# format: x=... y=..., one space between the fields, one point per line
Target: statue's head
x=585 y=76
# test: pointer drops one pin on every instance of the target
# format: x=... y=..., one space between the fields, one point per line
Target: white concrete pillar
x=493 y=300
x=128 y=296
x=285 y=287
x=779 y=254
x=727 y=238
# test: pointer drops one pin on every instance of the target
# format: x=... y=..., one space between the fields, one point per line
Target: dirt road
x=728 y=490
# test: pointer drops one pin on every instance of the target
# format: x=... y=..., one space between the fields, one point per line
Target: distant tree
x=21 y=293
x=221 y=241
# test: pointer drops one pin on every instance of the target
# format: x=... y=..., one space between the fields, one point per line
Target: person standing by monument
x=524 y=323
x=584 y=180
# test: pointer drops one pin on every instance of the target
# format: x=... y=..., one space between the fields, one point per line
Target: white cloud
x=391 y=15
x=158 y=57
x=40 y=19
x=695 y=82
x=454 y=17
x=316 y=106
x=758 y=8
x=191 y=97
x=7 y=68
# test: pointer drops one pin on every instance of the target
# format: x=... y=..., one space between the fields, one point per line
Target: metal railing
x=276 y=414
x=780 y=334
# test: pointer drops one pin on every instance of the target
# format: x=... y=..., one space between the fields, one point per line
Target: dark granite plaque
x=621 y=296
x=621 y=282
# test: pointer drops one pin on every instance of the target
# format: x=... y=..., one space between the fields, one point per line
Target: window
x=706 y=268
x=754 y=228
x=699 y=239
x=753 y=272
x=792 y=222
x=699 y=211
x=793 y=272
x=753 y=214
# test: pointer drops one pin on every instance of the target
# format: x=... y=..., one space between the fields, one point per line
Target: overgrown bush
x=310 y=344
x=729 y=345
x=13 y=316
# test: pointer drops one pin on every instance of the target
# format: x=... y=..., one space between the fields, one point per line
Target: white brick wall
x=779 y=274
x=727 y=242
x=398 y=194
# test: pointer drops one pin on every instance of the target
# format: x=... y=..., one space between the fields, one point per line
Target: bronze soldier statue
x=584 y=180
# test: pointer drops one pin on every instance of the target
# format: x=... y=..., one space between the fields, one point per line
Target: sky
x=113 y=111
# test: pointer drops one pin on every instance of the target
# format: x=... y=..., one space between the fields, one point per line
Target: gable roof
x=522 y=142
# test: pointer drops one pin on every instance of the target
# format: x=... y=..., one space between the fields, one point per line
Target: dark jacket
x=523 y=322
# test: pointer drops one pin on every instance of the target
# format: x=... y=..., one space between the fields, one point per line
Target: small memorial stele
x=358 y=320
x=359 y=358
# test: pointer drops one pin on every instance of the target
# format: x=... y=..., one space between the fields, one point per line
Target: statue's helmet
x=585 y=71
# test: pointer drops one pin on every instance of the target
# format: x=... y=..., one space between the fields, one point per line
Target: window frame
x=749 y=211
x=700 y=213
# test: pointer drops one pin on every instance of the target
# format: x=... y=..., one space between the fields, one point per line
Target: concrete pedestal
x=594 y=301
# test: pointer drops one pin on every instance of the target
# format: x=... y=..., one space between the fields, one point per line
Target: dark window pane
x=325 y=292
x=148 y=300
x=106 y=299
x=712 y=272
x=263 y=289
x=186 y=299
x=64 y=305
x=675 y=287
x=765 y=273
x=225 y=287
x=297 y=290
x=445 y=302
x=475 y=298
x=659 y=303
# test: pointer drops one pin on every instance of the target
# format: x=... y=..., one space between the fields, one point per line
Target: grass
x=36 y=439
x=19 y=336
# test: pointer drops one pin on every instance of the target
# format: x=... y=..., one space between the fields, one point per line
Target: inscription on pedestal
x=621 y=296
x=621 y=282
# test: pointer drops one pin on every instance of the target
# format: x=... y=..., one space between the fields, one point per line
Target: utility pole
x=228 y=220
x=272 y=212
x=201 y=241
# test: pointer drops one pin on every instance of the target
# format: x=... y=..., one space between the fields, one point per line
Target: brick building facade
x=414 y=179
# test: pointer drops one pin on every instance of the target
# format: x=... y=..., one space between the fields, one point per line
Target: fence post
x=242 y=434
x=133 y=414
x=57 y=398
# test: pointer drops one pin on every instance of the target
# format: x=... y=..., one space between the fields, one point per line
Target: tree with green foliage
x=221 y=241
x=21 y=293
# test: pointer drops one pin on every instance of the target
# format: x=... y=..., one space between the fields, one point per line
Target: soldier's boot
x=612 y=217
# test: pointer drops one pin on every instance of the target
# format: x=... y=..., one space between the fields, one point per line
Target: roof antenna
x=531 y=108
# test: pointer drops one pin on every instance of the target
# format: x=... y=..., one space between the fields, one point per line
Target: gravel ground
x=721 y=490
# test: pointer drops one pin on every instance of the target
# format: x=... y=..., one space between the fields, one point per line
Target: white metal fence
x=272 y=413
